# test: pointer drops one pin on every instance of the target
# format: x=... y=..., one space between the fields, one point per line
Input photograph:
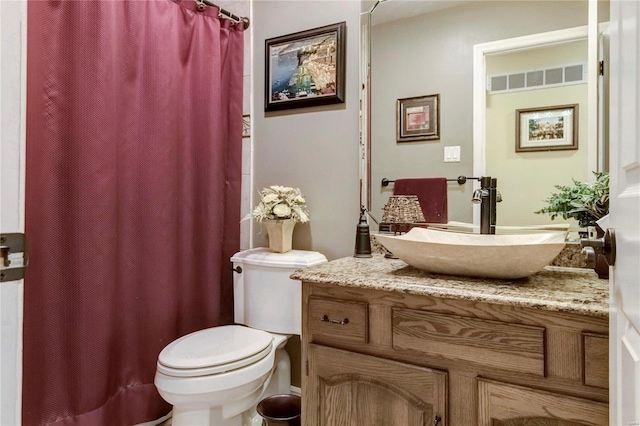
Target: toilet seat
x=213 y=351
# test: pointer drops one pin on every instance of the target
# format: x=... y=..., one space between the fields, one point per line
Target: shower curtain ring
x=200 y=6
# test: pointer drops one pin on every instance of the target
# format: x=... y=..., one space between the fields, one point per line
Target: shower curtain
x=134 y=121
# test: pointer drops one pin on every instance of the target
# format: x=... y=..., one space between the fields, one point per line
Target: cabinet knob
x=437 y=421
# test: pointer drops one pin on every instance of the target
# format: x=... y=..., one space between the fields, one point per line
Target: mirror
x=426 y=48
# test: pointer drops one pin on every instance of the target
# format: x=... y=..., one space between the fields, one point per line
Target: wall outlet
x=451 y=154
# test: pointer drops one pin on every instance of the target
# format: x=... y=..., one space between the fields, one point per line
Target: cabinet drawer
x=515 y=347
x=596 y=360
x=341 y=320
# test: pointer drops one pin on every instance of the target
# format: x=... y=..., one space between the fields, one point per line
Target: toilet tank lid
x=291 y=259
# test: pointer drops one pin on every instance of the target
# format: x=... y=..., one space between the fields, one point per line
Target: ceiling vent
x=537 y=78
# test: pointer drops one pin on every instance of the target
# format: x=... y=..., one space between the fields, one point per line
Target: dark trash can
x=281 y=410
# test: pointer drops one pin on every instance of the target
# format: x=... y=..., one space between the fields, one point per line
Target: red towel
x=432 y=194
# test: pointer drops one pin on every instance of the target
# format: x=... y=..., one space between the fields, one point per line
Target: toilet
x=218 y=375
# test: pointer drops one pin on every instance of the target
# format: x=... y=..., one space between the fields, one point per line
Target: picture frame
x=418 y=118
x=553 y=128
x=306 y=68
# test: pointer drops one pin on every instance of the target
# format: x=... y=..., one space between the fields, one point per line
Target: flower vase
x=280 y=234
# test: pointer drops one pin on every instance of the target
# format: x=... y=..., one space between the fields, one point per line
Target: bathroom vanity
x=388 y=344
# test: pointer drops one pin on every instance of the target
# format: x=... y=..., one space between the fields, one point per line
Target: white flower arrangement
x=280 y=203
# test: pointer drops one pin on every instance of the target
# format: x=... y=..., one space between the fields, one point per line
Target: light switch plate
x=451 y=154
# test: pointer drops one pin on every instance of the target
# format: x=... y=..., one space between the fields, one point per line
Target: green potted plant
x=585 y=202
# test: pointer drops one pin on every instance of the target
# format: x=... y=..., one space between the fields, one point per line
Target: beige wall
x=431 y=54
x=315 y=149
x=527 y=178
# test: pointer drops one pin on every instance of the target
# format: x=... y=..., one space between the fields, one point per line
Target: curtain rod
x=245 y=21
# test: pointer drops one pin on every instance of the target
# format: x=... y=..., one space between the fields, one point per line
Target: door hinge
x=601 y=68
x=11 y=244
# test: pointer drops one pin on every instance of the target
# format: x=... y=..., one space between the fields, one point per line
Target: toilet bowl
x=218 y=375
x=213 y=376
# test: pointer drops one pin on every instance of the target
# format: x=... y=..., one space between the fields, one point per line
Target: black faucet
x=488 y=196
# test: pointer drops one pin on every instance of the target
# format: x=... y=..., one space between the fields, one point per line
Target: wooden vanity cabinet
x=373 y=357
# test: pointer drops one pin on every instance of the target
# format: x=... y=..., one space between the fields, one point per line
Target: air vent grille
x=537 y=79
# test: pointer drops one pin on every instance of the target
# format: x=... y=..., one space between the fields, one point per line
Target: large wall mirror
x=419 y=48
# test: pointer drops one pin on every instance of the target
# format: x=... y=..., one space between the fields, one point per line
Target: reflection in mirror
x=541 y=155
x=414 y=54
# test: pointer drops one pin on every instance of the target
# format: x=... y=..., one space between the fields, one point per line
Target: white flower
x=282 y=210
x=281 y=202
x=269 y=198
x=304 y=217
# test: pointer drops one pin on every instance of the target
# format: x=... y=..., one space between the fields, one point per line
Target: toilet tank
x=264 y=296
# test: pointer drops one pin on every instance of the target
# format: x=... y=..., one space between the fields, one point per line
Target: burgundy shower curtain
x=134 y=120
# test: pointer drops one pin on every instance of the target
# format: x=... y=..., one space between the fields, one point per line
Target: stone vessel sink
x=500 y=229
x=504 y=256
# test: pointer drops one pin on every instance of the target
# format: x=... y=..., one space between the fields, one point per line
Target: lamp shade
x=402 y=209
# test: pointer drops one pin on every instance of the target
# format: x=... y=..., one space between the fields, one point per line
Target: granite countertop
x=560 y=289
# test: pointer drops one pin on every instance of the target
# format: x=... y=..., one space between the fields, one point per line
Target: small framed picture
x=306 y=68
x=547 y=129
x=418 y=119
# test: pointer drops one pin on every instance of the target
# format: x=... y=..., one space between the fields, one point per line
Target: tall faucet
x=487 y=196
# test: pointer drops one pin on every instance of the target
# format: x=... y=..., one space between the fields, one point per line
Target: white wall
x=315 y=149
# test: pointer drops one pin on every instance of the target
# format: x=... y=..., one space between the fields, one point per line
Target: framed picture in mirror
x=418 y=118
x=547 y=129
x=306 y=68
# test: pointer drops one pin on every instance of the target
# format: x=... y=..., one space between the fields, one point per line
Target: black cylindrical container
x=281 y=410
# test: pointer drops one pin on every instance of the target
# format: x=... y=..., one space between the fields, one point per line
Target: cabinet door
x=501 y=404
x=344 y=388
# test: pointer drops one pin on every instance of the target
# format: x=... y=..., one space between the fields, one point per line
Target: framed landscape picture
x=305 y=69
x=418 y=119
x=547 y=128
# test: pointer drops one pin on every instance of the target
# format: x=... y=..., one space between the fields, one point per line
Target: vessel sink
x=500 y=229
x=504 y=256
